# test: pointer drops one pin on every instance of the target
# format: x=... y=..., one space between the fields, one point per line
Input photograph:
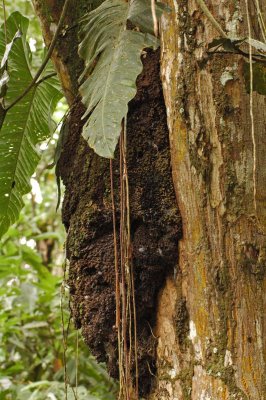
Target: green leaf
x=35 y=325
x=30 y=257
x=48 y=235
x=111 y=84
x=233 y=44
x=8 y=49
x=3 y=84
x=140 y=14
x=7 y=260
x=24 y=126
x=28 y=296
x=227 y=43
x=3 y=68
x=260 y=46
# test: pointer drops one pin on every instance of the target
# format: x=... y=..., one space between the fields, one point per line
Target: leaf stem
x=46 y=59
x=46 y=77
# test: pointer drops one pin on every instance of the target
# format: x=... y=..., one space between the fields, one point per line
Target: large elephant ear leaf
x=112 y=64
x=140 y=14
x=25 y=125
x=4 y=77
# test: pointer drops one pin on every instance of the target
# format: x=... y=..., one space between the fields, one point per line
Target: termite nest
x=155 y=224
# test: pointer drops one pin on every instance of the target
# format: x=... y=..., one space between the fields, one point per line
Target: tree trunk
x=201 y=321
x=211 y=320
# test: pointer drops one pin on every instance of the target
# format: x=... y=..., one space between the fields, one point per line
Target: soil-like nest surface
x=156 y=225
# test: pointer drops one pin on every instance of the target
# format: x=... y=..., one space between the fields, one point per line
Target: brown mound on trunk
x=156 y=225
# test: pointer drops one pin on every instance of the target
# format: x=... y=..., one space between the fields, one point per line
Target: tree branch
x=47 y=57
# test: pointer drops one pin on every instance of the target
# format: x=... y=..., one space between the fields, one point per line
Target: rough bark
x=210 y=314
x=211 y=321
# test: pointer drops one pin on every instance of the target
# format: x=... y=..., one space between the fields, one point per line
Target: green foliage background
x=31 y=292
x=33 y=298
